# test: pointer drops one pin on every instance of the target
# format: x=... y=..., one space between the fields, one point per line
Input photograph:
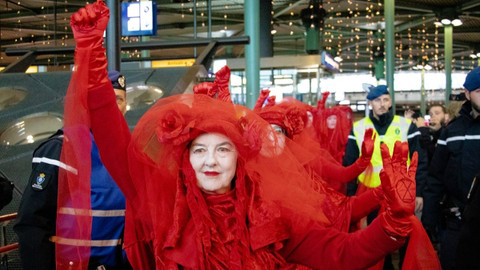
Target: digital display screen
x=139 y=18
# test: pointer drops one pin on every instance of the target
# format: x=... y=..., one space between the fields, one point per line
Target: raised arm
x=326 y=248
x=107 y=123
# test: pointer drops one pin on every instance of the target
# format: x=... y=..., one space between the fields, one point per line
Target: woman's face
x=214 y=158
x=332 y=121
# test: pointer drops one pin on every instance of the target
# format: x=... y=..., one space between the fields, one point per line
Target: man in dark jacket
x=388 y=128
x=469 y=243
x=452 y=169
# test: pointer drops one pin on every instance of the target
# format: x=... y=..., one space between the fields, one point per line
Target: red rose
x=294 y=121
x=173 y=128
x=251 y=135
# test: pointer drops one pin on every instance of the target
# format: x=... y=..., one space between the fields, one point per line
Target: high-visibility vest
x=108 y=217
x=396 y=131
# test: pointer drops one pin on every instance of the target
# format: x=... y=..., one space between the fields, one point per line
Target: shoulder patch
x=40 y=182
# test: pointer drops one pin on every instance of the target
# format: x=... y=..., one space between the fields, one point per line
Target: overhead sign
x=329 y=62
x=173 y=63
x=139 y=18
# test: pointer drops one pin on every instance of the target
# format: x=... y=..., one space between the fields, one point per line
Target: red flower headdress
x=266 y=178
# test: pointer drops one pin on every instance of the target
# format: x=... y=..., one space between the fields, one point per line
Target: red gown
x=291 y=237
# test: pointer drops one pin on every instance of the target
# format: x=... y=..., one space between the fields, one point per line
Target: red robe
x=295 y=239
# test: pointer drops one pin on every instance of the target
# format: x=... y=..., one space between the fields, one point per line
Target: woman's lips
x=211 y=173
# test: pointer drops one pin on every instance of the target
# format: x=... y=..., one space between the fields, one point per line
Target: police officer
x=388 y=129
x=36 y=221
x=453 y=167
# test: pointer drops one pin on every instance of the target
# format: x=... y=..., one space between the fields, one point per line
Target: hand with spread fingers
x=367 y=146
x=398 y=182
x=89 y=24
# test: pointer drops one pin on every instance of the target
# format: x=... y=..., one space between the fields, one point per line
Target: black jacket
x=469 y=244
x=428 y=140
x=37 y=214
x=381 y=125
x=453 y=167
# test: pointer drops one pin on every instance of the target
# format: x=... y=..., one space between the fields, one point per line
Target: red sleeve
x=112 y=136
x=335 y=171
x=324 y=248
x=363 y=204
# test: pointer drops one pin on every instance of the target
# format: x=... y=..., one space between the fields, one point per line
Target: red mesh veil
x=74 y=177
x=334 y=140
x=268 y=177
x=291 y=115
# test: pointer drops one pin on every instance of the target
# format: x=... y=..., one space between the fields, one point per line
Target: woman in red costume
x=332 y=126
x=291 y=116
x=206 y=185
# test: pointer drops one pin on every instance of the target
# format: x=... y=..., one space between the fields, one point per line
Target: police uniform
x=452 y=169
x=36 y=221
x=388 y=129
x=469 y=242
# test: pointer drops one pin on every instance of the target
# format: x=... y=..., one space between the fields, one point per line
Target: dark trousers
x=449 y=243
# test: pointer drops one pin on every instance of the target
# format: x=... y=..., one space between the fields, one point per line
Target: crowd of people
x=203 y=183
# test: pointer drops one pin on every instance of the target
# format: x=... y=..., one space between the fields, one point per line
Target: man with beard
x=431 y=132
x=453 y=168
x=388 y=128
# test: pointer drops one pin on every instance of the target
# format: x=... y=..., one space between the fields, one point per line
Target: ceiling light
x=437 y=23
x=446 y=21
x=457 y=22
x=473 y=56
x=273 y=32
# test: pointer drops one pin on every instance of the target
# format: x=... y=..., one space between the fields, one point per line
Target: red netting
x=74 y=177
x=268 y=174
x=334 y=139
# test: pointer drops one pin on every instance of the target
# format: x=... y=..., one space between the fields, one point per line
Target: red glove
x=261 y=99
x=222 y=78
x=89 y=24
x=367 y=148
x=398 y=184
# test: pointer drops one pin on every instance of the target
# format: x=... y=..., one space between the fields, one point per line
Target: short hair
x=439 y=105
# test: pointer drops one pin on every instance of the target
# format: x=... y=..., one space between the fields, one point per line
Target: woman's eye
x=223 y=149
x=198 y=150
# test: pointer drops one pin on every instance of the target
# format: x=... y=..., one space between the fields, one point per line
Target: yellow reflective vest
x=396 y=131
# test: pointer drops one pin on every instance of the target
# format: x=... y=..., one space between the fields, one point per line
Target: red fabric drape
x=74 y=176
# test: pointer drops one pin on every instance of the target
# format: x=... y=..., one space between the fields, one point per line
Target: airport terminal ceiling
x=353 y=30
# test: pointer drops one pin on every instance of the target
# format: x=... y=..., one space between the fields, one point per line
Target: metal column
x=252 y=50
x=113 y=36
x=423 y=109
x=448 y=61
x=389 y=6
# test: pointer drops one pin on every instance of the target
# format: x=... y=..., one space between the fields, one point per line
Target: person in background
x=454 y=165
x=469 y=240
x=453 y=109
x=332 y=126
x=37 y=215
x=432 y=131
x=388 y=129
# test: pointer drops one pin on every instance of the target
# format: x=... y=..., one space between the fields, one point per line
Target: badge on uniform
x=397 y=131
x=40 y=182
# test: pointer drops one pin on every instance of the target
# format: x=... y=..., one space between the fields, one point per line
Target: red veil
x=269 y=181
x=334 y=140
